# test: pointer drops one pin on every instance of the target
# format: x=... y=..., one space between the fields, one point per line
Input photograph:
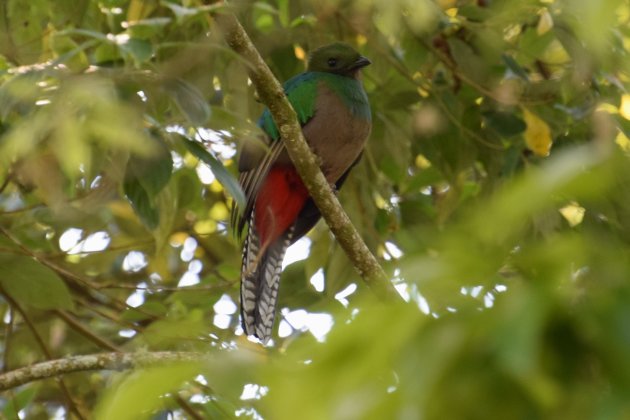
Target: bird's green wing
x=301 y=91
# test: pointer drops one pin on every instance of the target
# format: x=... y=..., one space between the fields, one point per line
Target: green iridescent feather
x=301 y=91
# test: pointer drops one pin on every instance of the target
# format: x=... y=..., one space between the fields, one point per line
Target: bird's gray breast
x=335 y=134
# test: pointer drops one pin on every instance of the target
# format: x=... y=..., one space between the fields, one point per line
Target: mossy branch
x=272 y=95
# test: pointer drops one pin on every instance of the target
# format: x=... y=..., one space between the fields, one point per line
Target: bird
x=333 y=110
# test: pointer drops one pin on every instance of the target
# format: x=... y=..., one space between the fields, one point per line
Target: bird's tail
x=260 y=279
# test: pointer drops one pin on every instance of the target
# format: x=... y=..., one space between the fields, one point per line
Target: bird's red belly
x=279 y=201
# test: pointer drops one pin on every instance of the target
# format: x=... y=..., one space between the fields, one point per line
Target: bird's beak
x=361 y=62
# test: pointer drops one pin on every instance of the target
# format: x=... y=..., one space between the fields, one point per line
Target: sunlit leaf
x=537 y=135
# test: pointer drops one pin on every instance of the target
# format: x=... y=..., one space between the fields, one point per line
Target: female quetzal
x=333 y=109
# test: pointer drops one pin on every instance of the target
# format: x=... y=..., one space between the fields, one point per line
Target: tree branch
x=272 y=94
x=101 y=361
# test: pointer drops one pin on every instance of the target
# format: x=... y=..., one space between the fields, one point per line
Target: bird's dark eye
x=332 y=62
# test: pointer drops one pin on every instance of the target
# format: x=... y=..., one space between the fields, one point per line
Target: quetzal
x=334 y=112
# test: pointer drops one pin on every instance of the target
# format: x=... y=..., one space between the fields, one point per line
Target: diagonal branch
x=272 y=95
x=100 y=361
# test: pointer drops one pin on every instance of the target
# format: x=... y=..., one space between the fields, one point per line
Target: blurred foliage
x=495 y=189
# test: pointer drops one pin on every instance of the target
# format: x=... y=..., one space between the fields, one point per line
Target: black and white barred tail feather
x=249 y=276
x=260 y=280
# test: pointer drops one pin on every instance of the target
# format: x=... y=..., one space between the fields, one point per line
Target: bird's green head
x=338 y=58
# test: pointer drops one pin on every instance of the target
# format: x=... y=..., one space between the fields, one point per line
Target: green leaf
x=152 y=173
x=320 y=251
x=182 y=13
x=189 y=101
x=468 y=61
x=516 y=68
x=532 y=45
x=506 y=124
x=264 y=21
x=166 y=332
x=296 y=292
x=20 y=401
x=284 y=11
x=141 y=202
x=224 y=177
x=146 y=28
x=167 y=204
x=139 y=49
x=69 y=52
x=308 y=20
x=32 y=284
x=339 y=272
x=106 y=52
x=18 y=92
x=424 y=178
x=141 y=392
x=402 y=99
x=145 y=179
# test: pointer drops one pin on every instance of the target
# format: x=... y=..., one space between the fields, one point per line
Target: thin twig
x=5 y=183
x=81 y=329
x=186 y=407
x=109 y=316
x=158 y=289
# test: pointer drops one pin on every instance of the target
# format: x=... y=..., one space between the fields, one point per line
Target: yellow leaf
x=422 y=162
x=545 y=23
x=573 y=213
x=537 y=135
x=624 y=109
x=140 y=9
x=555 y=53
x=205 y=227
x=623 y=142
x=446 y=4
x=300 y=54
